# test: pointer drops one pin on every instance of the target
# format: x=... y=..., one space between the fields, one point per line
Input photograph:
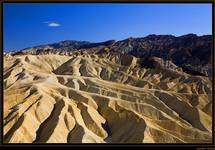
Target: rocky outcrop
x=103 y=98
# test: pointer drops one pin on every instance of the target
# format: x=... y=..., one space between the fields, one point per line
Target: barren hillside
x=103 y=97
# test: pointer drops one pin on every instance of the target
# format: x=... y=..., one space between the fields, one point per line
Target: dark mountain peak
x=188 y=35
x=70 y=44
x=73 y=41
x=154 y=36
x=109 y=42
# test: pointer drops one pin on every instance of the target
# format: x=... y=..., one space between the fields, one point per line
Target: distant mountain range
x=191 y=52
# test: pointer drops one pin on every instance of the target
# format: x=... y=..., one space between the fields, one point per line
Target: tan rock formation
x=93 y=99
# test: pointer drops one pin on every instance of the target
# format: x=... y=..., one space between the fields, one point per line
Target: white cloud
x=52 y=24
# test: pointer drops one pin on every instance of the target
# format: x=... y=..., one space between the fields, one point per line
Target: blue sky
x=27 y=25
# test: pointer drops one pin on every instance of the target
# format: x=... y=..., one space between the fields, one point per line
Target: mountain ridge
x=191 y=52
x=146 y=37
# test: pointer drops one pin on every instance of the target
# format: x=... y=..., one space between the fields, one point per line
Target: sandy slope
x=102 y=98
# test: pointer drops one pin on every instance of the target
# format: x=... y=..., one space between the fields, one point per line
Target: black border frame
x=200 y=145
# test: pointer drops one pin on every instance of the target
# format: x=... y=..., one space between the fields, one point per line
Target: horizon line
x=199 y=35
